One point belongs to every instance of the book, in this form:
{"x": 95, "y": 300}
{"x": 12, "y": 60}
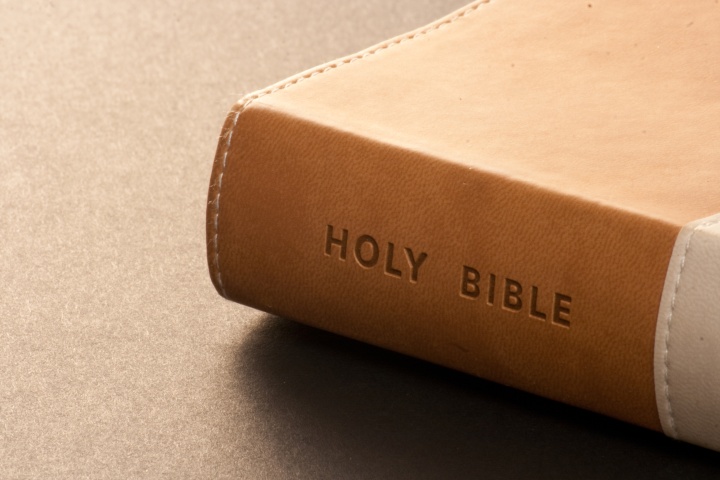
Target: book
{"x": 524, "y": 191}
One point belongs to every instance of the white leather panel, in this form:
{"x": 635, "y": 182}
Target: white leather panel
{"x": 687, "y": 340}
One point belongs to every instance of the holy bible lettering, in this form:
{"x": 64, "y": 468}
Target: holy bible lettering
{"x": 501, "y": 292}
{"x": 367, "y": 253}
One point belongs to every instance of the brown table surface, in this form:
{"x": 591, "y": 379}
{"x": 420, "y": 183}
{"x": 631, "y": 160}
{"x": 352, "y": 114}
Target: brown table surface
{"x": 117, "y": 357}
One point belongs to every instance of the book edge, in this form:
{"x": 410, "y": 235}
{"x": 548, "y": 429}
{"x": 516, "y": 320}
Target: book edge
{"x": 226, "y": 136}
{"x": 687, "y": 384}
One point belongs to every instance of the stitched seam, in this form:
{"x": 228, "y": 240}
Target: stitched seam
{"x": 673, "y": 426}
{"x": 247, "y": 101}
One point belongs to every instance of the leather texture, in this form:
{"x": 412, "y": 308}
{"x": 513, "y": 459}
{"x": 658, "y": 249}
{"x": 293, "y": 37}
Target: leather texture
{"x": 687, "y": 343}
{"x": 560, "y": 146}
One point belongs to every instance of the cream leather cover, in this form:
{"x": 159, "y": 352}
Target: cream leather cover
{"x": 499, "y": 192}
{"x": 687, "y": 341}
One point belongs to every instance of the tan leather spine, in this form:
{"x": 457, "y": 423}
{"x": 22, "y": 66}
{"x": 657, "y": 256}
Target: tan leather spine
{"x": 544, "y": 148}
{"x": 281, "y": 191}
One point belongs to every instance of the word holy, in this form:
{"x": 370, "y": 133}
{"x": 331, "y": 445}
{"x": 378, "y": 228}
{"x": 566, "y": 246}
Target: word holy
{"x": 368, "y": 253}
{"x": 511, "y": 297}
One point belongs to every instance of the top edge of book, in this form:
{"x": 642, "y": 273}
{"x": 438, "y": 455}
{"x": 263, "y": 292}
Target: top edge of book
{"x": 613, "y": 101}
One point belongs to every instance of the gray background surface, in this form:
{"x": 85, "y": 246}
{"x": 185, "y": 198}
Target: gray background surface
{"x": 117, "y": 357}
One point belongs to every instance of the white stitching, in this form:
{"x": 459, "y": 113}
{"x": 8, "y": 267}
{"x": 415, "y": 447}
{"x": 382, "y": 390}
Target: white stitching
{"x": 270, "y": 90}
{"x": 673, "y": 426}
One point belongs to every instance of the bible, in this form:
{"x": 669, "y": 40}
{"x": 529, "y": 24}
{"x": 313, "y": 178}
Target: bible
{"x": 524, "y": 191}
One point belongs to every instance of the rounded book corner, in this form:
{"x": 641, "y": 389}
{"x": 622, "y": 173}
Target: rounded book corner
{"x": 687, "y": 342}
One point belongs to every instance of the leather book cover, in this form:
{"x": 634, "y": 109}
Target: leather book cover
{"x": 525, "y": 191}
